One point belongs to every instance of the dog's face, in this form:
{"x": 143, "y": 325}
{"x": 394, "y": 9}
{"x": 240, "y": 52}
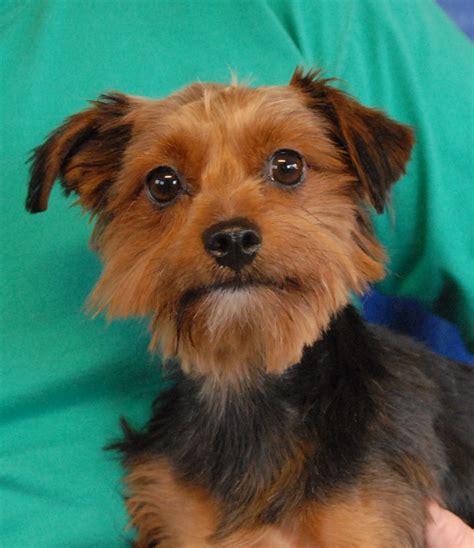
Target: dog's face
{"x": 233, "y": 217}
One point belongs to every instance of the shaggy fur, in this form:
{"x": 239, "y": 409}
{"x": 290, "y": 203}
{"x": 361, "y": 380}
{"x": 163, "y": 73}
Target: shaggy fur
{"x": 290, "y": 422}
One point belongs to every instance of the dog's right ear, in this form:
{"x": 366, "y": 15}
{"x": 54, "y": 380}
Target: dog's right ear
{"x": 377, "y": 148}
{"x": 84, "y": 154}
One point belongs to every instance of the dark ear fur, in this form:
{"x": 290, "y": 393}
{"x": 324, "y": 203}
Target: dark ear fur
{"x": 84, "y": 154}
{"x": 378, "y": 148}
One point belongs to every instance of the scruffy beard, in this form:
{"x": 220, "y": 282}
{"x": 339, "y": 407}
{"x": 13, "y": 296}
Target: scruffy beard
{"x": 230, "y": 335}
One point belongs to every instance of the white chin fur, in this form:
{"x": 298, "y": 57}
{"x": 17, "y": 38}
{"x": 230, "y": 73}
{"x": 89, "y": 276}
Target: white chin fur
{"x": 233, "y": 307}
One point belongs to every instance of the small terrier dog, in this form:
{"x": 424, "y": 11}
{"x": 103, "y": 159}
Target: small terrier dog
{"x": 237, "y": 220}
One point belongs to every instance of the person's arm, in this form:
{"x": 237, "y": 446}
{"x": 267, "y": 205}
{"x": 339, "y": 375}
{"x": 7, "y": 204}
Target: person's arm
{"x": 445, "y": 530}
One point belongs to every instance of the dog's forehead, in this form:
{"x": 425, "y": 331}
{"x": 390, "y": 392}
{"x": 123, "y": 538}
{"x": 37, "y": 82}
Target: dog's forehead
{"x": 235, "y": 107}
{"x": 230, "y": 108}
{"x": 205, "y": 117}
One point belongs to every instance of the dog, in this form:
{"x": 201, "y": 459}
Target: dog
{"x": 237, "y": 220}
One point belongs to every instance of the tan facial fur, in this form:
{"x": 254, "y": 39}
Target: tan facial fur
{"x": 317, "y": 245}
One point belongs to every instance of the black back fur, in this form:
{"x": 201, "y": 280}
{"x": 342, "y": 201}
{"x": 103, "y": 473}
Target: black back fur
{"x": 359, "y": 393}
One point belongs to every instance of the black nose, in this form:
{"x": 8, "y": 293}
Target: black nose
{"x": 233, "y": 243}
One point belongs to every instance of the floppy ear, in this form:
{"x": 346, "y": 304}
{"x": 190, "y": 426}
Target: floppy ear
{"x": 377, "y": 147}
{"x": 85, "y": 154}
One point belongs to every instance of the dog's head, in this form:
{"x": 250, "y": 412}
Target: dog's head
{"x": 234, "y": 217}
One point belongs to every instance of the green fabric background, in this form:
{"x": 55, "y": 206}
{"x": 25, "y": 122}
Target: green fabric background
{"x": 65, "y": 378}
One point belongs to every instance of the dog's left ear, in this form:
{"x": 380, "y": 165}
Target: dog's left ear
{"x": 378, "y": 148}
{"x": 84, "y": 154}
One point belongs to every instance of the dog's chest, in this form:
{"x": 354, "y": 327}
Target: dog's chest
{"x": 179, "y": 515}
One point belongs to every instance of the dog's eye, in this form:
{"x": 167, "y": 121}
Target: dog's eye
{"x": 286, "y": 167}
{"x": 163, "y": 185}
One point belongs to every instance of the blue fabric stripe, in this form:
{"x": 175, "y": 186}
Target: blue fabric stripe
{"x": 409, "y": 317}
